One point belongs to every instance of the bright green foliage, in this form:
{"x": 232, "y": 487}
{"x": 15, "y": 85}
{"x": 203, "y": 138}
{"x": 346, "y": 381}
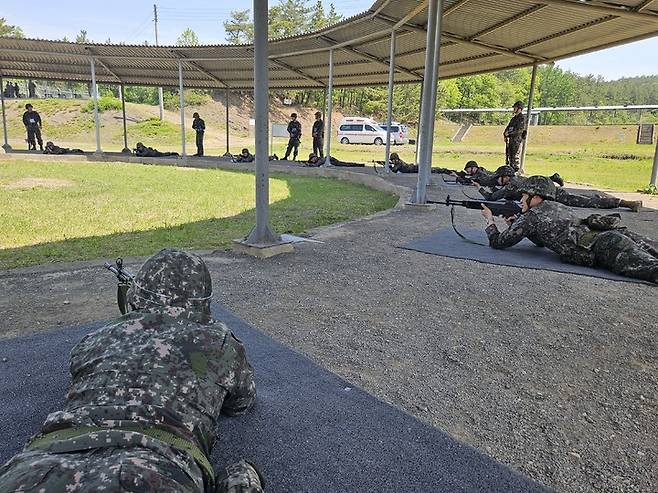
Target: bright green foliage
{"x": 193, "y": 97}
{"x": 141, "y": 94}
{"x": 104, "y": 103}
{"x": 239, "y": 29}
{"x": 73, "y": 211}
{"x": 7, "y": 31}
{"x": 187, "y": 38}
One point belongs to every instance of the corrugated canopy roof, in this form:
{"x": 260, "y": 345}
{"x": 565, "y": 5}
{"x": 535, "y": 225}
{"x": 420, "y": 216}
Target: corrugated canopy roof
{"x": 477, "y": 36}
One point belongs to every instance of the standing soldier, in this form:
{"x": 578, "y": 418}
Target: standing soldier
{"x": 200, "y": 126}
{"x": 318, "y": 135}
{"x": 514, "y": 135}
{"x": 32, "y": 122}
{"x": 147, "y": 391}
{"x": 31, "y": 89}
{"x": 295, "y": 132}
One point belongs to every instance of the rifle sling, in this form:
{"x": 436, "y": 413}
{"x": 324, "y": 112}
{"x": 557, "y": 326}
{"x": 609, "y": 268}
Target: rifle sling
{"x": 452, "y": 221}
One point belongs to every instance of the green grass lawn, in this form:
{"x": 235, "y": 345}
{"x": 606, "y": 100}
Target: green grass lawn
{"x": 53, "y": 212}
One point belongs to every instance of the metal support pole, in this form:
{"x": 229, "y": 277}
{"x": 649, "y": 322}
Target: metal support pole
{"x": 429, "y": 91}
{"x": 330, "y": 106}
{"x": 420, "y": 112}
{"x": 94, "y": 94}
{"x": 531, "y": 98}
{"x": 435, "y": 80}
{"x": 227, "y": 123}
{"x": 182, "y": 107}
{"x": 6, "y": 145}
{"x": 389, "y": 114}
{"x": 654, "y": 170}
{"x": 155, "y": 23}
{"x": 125, "y": 149}
{"x": 324, "y": 104}
{"x": 261, "y": 233}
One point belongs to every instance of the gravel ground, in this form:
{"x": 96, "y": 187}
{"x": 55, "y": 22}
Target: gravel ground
{"x": 553, "y": 374}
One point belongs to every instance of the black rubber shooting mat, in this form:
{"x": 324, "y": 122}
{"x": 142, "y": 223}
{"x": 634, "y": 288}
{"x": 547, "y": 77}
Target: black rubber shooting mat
{"x": 446, "y": 243}
{"x": 310, "y": 431}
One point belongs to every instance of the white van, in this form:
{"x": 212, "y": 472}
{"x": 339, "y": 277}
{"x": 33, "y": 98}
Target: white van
{"x": 357, "y": 130}
{"x": 399, "y": 132}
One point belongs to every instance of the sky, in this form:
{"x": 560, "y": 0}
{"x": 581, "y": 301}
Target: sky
{"x": 132, "y": 22}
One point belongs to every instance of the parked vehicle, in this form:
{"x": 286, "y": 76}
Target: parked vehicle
{"x": 399, "y": 133}
{"x": 358, "y": 130}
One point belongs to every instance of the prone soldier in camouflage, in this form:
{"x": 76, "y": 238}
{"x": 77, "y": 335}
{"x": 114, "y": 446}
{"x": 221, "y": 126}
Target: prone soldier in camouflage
{"x": 146, "y": 394}
{"x": 511, "y": 184}
{"x": 513, "y": 136}
{"x": 479, "y": 175}
{"x": 596, "y": 241}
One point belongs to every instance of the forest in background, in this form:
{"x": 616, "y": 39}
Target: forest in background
{"x": 555, "y": 86}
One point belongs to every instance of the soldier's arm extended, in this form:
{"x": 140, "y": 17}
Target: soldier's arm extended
{"x": 518, "y": 230}
{"x": 242, "y": 393}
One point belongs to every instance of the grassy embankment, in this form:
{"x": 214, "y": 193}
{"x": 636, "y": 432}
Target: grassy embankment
{"x": 602, "y": 156}
{"x": 53, "y": 212}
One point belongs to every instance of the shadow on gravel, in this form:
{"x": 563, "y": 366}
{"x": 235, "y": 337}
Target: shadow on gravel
{"x": 310, "y": 430}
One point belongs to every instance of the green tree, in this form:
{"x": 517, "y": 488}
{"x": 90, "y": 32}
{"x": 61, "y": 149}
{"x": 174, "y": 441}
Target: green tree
{"x": 187, "y": 38}
{"x": 288, "y": 18}
{"x": 239, "y": 28}
{"x": 82, "y": 37}
{"x": 7, "y": 31}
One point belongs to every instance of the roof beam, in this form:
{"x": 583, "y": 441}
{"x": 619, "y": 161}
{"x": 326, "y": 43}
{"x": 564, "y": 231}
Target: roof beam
{"x": 198, "y": 67}
{"x": 100, "y": 62}
{"x": 587, "y": 25}
{"x": 373, "y": 58}
{"x": 454, "y": 6}
{"x": 643, "y": 5}
{"x": 506, "y": 22}
{"x": 297, "y": 71}
{"x": 608, "y": 9}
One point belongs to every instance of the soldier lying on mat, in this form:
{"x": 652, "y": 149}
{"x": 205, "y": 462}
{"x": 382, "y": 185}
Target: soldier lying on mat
{"x": 314, "y": 162}
{"x": 53, "y": 149}
{"x": 510, "y": 185}
{"x": 142, "y": 151}
{"x": 146, "y": 393}
{"x": 596, "y": 241}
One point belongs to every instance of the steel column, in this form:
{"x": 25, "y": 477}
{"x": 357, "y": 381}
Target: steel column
{"x": 94, "y": 94}
{"x": 654, "y": 170}
{"x": 531, "y": 98}
{"x": 330, "y": 107}
{"x": 429, "y": 91}
{"x": 436, "y": 62}
{"x": 182, "y": 108}
{"x": 420, "y": 112}
{"x": 125, "y": 128}
{"x": 389, "y": 114}
{"x": 227, "y": 123}
{"x": 261, "y": 233}
{"x": 6, "y": 145}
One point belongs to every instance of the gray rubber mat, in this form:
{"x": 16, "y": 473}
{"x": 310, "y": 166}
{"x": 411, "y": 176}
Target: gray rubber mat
{"x": 310, "y": 431}
{"x": 526, "y": 254}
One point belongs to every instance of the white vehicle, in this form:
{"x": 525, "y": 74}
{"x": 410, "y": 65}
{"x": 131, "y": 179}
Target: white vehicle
{"x": 399, "y": 133}
{"x": 357, "y": 130}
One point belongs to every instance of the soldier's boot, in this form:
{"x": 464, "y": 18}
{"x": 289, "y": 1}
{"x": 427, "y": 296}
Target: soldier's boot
{"x": 556, "y": 178}
{"x": 241, "y": 477}
{"x": 634, "y": 205}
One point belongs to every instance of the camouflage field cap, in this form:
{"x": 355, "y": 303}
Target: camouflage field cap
{"x": 172, "y": 277}
{"x": 539, "y": 185}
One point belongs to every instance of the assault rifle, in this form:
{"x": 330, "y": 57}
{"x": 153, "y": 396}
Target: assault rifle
{"x": 507, "y": 208}
{"x": 125, "y": 279}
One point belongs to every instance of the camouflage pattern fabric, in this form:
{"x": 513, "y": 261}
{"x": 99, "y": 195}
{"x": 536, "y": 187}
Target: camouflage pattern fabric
{"x": 166, "y": 369}
{"x": 511, "y": 192}
{"x": 555, "y": 227}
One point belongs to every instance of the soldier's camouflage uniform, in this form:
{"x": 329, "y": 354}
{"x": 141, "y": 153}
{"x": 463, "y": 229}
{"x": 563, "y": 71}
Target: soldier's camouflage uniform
{"x": 514, "y": 134}
{"x": 511, "y": 192}
{"x": 596, "y": 241}
{"x": 147, "y": 390}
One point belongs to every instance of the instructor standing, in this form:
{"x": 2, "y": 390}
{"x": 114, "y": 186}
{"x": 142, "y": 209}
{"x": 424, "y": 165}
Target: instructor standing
{"x": 32, "y": 122}
{"x": 318, "y": 135}
{"x": 200, "y": 127}
{"x": 513, "y": 135}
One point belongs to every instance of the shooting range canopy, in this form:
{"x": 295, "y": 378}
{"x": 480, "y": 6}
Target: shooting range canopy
{"x": 477, "y": 36}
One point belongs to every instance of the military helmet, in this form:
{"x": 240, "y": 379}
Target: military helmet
{"x": 541, "y": 186}
{"x": 471, "y": 164}
{"x": 518, "y": 104}
{"x": 293, "y": 115}
{"x": 174, "y": 278}
{"x": 504, "y": 171}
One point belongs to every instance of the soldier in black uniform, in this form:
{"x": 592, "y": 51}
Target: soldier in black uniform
{"x": 200, "y": 126}
{"x": 318, "y": 135}
{"x": 32, "y": 122}
{"x": 295, "y": 132}
{"x": 513, "y": 135}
